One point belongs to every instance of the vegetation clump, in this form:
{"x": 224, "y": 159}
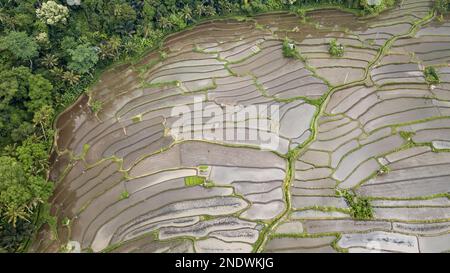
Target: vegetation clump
{"x": 82, "y": 58}
{"x": 442, "y": 6}
{"x": 208, "y": 184}
{"x": 21, "y": 46}
{"x": 384, "y": 170}
{"x": 289, "y": 50}
{"x": 431, "y": 75}
{"x": 336, "y": 49}
{"x": 96, "y": 106}
{"x": 22, "y": 186}
{"x": 360, "y": 207}
{"x": 407, "y": 135}
{"x": 124, "y": 195}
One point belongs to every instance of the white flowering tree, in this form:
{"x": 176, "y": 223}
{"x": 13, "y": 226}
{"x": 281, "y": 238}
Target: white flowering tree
{"x": 52, "y": 13}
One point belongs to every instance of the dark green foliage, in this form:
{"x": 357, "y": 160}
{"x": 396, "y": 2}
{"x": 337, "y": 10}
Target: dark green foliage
{"x": 11, "y": 238}
{"x": 21, "y": 95}
{"x": 431, "y": 75}
{"x": 360, "y": 207}
{"x": 20, "y": 45}
{"x": 20, "y": 190}
{"x": 82, "y": 58}
{"x": 442, "y": 6}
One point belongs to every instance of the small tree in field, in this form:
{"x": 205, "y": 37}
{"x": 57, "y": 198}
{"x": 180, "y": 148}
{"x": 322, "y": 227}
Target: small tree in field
{"x": 289, "y": 50}
{"x": 431, "y": 75}
{"x": 336, "y": 49}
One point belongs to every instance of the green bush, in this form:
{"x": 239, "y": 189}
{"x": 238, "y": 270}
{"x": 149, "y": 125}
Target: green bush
{"x": 289, "y": 49}
{"x": 360, "y": 207}
{"x": 406, "y": 135}
{"x": 384, "y": 170}
{"x": 124, "y": 195}
{"x": 336, "y": 49}
{"x": 442, "y": 6}
{"x": 431, "y": 75}
{"x": 96, "y": 106}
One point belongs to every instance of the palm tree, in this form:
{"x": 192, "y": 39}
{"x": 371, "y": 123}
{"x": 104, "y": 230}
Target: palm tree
{"x": 199, "y": 10}
{"x": 13, "y": 213}
{"x": 49, "y": 61}
{"x": 115, "y": 43}
{"x": 105, "y": 51}
{"x": 70, "y": 77}
{"x": 186, "y": 13}
{"x": 210, "y": 11}
{"x": 226, "y": 7}
{"x": 57, "y": 72}
{"x": 165, "y": 23}
{"x": 43, "y": 118}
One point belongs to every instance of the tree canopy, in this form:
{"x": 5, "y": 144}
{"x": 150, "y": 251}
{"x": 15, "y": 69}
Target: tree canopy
{"x": 83, "y": 58}
{"x": 20, "y": 191}
{"x": 20, "y": 45}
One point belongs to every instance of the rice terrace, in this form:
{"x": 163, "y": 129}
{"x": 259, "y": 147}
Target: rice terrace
{"x": 316, "y": 131}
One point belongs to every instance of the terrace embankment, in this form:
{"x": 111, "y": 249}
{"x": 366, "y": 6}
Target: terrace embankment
{"x": 368, "y": 122}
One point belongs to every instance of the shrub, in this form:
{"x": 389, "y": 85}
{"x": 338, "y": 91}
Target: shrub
{"x": 301, "y": 12}
{"x": 96, "y": 106}
{"x": 124, "y": 195}
{"x": 289, "y": 50}
{"x": 431, "y": 75}
{"x": 406, "y": 135}
{"x": 336, "y": 49}
{"x": 442, "y": 6}
{"x": 360, "y": 207}
{"x": 384, "y": 170}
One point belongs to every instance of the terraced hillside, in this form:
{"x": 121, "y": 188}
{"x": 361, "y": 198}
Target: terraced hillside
{"x": 364, "y": 126}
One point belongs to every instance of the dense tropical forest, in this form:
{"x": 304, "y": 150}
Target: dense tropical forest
{"x": 52, "y": 50}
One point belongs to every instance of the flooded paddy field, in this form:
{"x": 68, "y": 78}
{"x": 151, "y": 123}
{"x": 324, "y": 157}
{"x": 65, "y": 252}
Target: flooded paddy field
{"x": 128, "y": 180}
